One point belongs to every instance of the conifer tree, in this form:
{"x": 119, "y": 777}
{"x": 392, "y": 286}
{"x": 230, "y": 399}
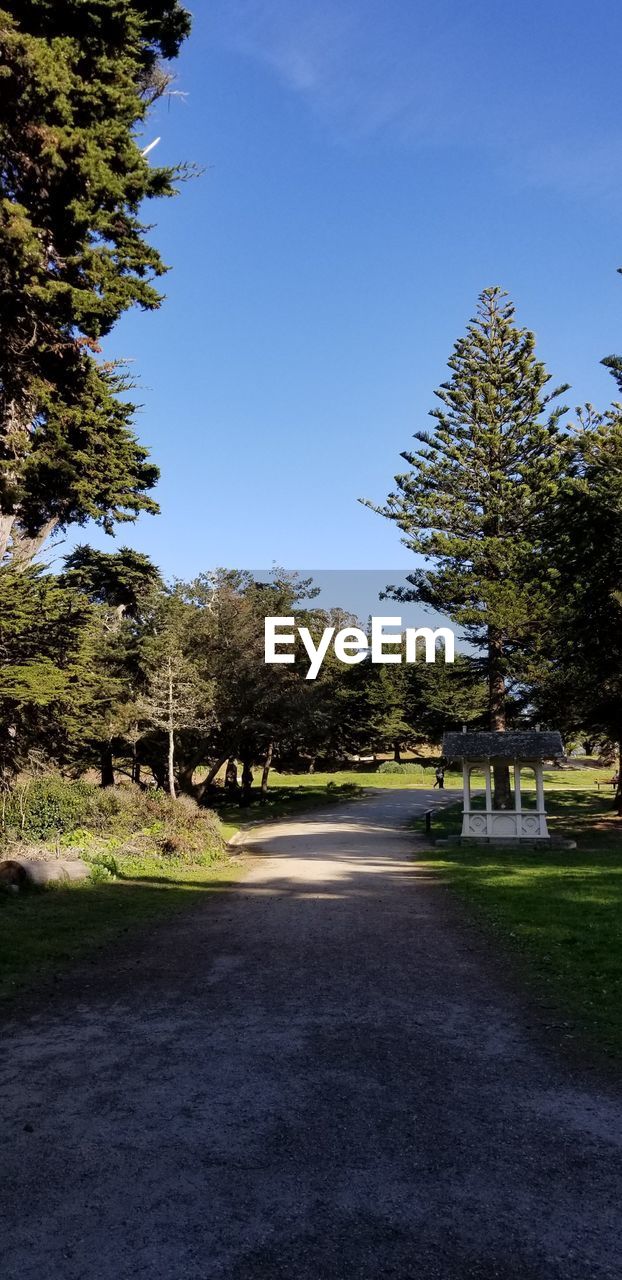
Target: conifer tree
{"x": 124, "y": 587}
{"x": 122, "y": 580}
{"x": 584, "y": 676}
{"x": 76, "y": 83}
{"x": 42, "y": 629}
{"x": 475, "y": 496}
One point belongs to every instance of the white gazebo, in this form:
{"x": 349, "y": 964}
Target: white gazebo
{"x": 520, "y": 751}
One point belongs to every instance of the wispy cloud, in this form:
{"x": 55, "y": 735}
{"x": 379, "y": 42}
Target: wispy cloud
{"x": 477, "y": 75}
{"x": 349, "y": 59}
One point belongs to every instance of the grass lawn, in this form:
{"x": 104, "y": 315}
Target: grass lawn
{"x": 43, "y": 932}
{"x": 420, "y": 777}
{"x": 559, "y": 910}
{"x": 423, "y": 776}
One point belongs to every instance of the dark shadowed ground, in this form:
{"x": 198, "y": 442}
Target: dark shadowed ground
{"x": 318, "y": 1076}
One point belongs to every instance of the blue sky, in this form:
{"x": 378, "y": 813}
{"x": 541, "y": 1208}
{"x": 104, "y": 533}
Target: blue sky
{"x": 369, "y": 167}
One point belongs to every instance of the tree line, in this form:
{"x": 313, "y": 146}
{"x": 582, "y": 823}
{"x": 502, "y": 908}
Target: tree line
{"x": 511, "y": 504}
{"x": 105, "y": 666}
{"x": 516, "y": 508}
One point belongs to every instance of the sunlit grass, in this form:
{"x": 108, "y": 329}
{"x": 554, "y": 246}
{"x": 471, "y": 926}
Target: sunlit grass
{"x": 44, "y": 932}
{"x": 424, "y": 776}
{"x": 559, "y": 910}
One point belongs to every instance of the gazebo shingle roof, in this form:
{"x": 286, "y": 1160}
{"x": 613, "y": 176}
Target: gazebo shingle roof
{"x": 507, "y": 745}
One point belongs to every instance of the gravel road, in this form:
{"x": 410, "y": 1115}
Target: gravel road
{"x": 320, "y": 1076}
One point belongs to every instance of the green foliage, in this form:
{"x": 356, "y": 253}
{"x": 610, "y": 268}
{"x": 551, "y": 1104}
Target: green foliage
{"x": 77, "y": 82}
{"x": 558, "y": 912}
{"x": 43, "y": 629}
{"x": 582, "y": 686}
{"x": 104, "y": 867}
{"x": 477, "y": 492}
{"x": 122, "y": 580}
{"x": 51, "y": 807}
{"x": 395, "y": 766}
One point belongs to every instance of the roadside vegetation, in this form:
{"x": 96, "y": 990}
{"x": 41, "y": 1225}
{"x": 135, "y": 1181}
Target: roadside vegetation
{"x": 147, "y": 856}
{"x": 557, "y": 912}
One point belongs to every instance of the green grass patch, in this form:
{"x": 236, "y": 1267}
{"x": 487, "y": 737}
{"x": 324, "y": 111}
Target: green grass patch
{"x": 287, "y": 801}
{"x": 417, "y": 776}
{"x": 420, "y": 775}
{"x": 559, "y": 910}
{"x": 43, "y": 932}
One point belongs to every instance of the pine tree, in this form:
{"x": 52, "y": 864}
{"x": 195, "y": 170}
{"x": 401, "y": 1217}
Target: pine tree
{"x": 122, "y": 580}
{"x": 584, "y": 678}
{"x": 474, "y": 499}
{"x": 42, "y": 631}
{"x": 123, "y": 586}
{"x": 76, "y": 84}
{"x": 445, "y": 695}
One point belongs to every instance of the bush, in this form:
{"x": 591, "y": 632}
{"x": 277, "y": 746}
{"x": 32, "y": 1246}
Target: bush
{"x": 342, "y": 788}
{"x": 394, "y": 766}
{"x": 75, "y": 812}
{"x": 47, "y": 806}
{"x": 104, "y": 865}
{"x": 104, "y": 868}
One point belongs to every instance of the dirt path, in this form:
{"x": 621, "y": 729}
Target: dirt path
{"x": 315, "y": 1078}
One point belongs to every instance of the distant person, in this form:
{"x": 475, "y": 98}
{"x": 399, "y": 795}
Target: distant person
{"x": 440, "y": 777}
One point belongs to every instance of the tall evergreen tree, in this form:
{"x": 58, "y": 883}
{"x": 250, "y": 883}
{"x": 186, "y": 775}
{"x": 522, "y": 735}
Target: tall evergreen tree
{"x": 76, "y": 82}
{"x": 584, "y": 676}
{"x": 122, "y": 580}
{"x": 474, "y": 499}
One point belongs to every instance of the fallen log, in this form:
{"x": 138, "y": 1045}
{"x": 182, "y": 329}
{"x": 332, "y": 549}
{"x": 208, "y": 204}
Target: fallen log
{"x": 23, "y": 873}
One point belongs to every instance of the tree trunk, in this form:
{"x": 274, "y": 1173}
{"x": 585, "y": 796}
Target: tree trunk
{"x": 171, "y": 734}
{"x": 618, "y": 799}
{"x": 231, "y": 777}
{"x": 265, "y": 773}
{"x": 107, "y": 767}
{"x": 247, "y": 783}
{"x": 135, "y": 765}
{"x": 199, "y": 790}
{"x": 6, "y": 524}
{"x": 171, "y": 764}
{"x": 185, "y": 775}
{"x": 25, "y": 548}
{"x": 497, "y": 693}
{"x": 397, "y": 752}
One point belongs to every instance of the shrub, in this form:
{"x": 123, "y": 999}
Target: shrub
{"x": 395, "y": 766}
{"x": 47, "y": 806}
{"x": 104, "y": 866}
{"x": 75, "y": 812}
{"x": 342, "y": 788}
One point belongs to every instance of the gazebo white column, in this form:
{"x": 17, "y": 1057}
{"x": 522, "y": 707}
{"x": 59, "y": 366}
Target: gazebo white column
{"x": 488, "y": 786}
{"x": 539, "y": 772}
{"x": 517, "y": 795}
{"x": 466, "y": 787}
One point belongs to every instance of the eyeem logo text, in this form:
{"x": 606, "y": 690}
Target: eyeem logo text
{"x": 387, "y": 643}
